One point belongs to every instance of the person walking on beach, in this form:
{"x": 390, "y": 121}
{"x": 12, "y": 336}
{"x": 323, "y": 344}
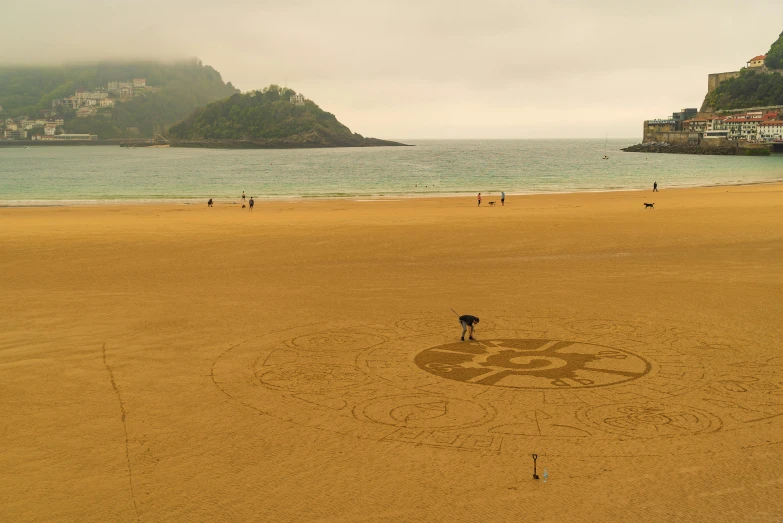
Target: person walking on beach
{"x": 655, "y": 186}
{"x": 251, "y": 203}
{"x": 502, "y": 198}
{"x": 479, "y": 200}
{"x": 209, "y": 203}
{"x": 466, "y": 320}
{"x": 243, "y": 196}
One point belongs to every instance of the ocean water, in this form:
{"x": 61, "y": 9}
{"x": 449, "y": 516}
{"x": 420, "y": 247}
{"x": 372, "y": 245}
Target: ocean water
{"x": 104, "y": 174}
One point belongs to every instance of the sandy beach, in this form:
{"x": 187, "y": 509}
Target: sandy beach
{"x": 301, "y": 362}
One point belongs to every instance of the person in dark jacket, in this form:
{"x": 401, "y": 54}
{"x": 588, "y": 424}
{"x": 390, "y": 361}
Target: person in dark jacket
{"x": 466, "y": 320}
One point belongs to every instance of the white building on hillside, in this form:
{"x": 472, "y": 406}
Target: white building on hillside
{"x": 756, "y": 61}
{"x": 771, "y": 131}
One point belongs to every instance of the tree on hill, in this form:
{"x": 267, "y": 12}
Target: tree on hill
{"x": 265, "y": 115}
{"x": 774, "y": 58}
{"x": 750, "y": 89}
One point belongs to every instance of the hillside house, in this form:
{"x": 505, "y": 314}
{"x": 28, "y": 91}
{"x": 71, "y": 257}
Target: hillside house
{"x": 756, "y": 61}
{"x": 139, "y": 83}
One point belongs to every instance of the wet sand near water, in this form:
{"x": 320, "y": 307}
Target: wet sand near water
{"x": 300, "y": 363}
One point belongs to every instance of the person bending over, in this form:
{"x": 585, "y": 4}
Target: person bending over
{"x": 468, "y": 321}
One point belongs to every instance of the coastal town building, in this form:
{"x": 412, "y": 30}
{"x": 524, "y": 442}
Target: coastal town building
{"x": 698, "y": 125}
{"x": 71, "y": 137}
{"x": 771, "y": 131}
{"x": 139, "y": 83}
{"x": 684, "y": 114}
{"x": 756, "y": 61}
{"x": 15, "y": 134}
{"x": 297, "y": 99}
{"x": 760, "y": 125}
{"x": 50, "y": 130}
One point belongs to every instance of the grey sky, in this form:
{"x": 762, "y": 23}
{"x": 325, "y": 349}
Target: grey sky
{"x": 429, "y": 69}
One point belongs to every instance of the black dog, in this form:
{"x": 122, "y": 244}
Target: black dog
{"x": 650, "y": 205}
{"x": 243, "y": 205}
{"x": 491, "y": 204}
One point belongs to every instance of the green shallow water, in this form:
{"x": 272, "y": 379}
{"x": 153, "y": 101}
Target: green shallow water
{"x": 41, "y": 175}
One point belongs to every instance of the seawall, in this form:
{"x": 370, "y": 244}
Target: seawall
{"x": 710, "y": 147}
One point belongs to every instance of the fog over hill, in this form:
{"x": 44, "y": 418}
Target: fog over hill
{"x": 568, "y": 68}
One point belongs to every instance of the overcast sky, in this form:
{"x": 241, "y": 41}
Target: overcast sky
{"x": 428, "y": 69}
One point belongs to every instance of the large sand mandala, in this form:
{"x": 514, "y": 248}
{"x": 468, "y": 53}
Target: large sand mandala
{"x": 582, "y": 387}
{"x": 533, "y": 364}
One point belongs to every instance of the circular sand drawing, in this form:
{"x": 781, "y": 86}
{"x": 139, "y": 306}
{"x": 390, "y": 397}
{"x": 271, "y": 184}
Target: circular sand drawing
{"x": 310, "y": 378}
{"x": 651, "y": 420}
{"x": 533, "y": 363}
{"x": 568, "y": 386}
{"x": 425, "y": 411}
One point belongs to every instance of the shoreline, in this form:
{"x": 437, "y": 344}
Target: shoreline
{"x": 227, "y": 200}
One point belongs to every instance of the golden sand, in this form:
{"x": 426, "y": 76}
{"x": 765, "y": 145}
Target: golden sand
{"x": 181, "y": 363}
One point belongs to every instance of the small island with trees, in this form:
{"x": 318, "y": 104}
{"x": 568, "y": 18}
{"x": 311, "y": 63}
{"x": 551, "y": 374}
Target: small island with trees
{"x": 274, "y": 117}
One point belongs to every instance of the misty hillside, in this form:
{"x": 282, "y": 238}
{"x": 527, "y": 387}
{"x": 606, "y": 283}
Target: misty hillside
{"x": 752, "y": 88}
{"x": 171, "y": 92}
{"x": 272, "y": 117}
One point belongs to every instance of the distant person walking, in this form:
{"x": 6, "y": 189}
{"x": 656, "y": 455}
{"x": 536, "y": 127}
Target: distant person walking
{"x": 479, "y": 200}
{"x": 251, "y": 203}
{"x": 466, "y": 320}
{"x": 243, "y": 196}
{"x": 209, "y": 203}
{"x": 502, "y": 198}
{"x": 655, "y": 186}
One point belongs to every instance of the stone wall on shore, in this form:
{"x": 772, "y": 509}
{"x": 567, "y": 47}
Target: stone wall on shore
{"x": 671, "y": 137}
{"x": 713, "y": 147}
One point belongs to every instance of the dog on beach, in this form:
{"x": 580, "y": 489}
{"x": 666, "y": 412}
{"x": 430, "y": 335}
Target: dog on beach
{"x": 491, "y": 204}
{"x": 649, "y": 205}
{"x": 243, "y": 205}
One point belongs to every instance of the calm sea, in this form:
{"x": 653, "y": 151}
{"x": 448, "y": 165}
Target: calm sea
{"x": 56, "y": 175}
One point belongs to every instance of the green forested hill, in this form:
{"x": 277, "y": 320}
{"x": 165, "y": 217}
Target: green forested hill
{"x": 753, "y": 88}
{"x": 774, "y": 58}
{"x": 269, "y": 118}
{"x": 174, "y": 90}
